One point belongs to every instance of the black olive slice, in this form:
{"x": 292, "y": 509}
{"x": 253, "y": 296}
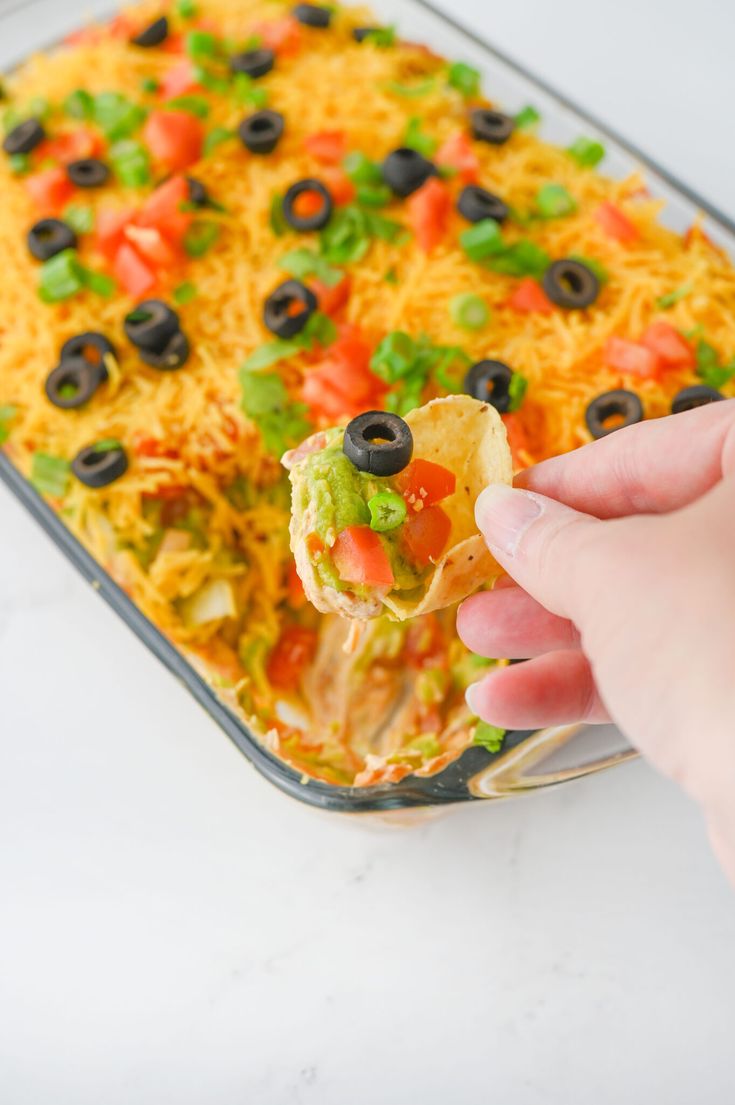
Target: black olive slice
{"x": 698, "y": 395}
{"x": 153, "y": 35}
{"x": 361, "y": 33}
{"x": 88, "y": 173}
{"x": 621, "y": 407}
{"x": 489, "y": 381}
{"x": 571, "y": 284}
{"x": 91, "y": 347}
{"x": 312, "y": 15}
{"x": 173, "y": 356}
{"x": 151, "y": 325}
{"x": 198, "y": 194}
{"x": 476, "y": 204}
{"x": 261, "y": 132}
{"x": 288, "y": 309}
{"x": 255, "y": 63}
{"x": 405, "y": 170}
{"x": 491, "y": 126}
{"x": 318, "y": 218}
{"x": 25, "y": 137}
{"x": 100, "y": 465}
{"x": 73, "y": 383}
{"x": 49, "y": 237}
{"x": 378, "y": 442}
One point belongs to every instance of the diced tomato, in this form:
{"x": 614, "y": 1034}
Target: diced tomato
{"x": 424, "y": 483}
{"x": 152, "y": 246}
{"x": 425, "y": 534}
{"x": 518, "y": 441}
{"x": 281, "y": 35}
{"x": 75, "y": 145}
{"x": 110, "y": 232}
{"x": 332, "y": 300}
{"x": 294, "y": 588}
{"x": 457, "y": 153}
{"x": 529, "y": 298}
{"x": 132, "y": 272}
{"x": 179, "y": 80}
{"x": 428, "y": 213}
{"x": 343, "y": 383}
{"x": 308, "y": 203}
{"x": 153, "y": 447}
{"x": 162, "y": 209}
{"x": 174, "y": 138}
{"x": 615, "y": 224}
{"x": 120, "y": 27}
{"x": 671, "y": 346}
{"x": 314, "y": 545}
{"x": 327, "y": 146}
{"x": 631, "y": 358}
{"x": 425, "y": 642}
{"x": 50, "y": 190}
{"x": 174, "y": 44}
{"x": 293, "y": 653}
{"x": 359, "y": 557}
{"x": 341, "y": 188}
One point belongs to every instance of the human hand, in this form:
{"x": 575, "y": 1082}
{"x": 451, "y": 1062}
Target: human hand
{"x": 623, "y": 559}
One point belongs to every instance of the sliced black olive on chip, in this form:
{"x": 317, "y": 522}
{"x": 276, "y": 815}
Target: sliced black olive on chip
{"x": 153, "y": 35}
{"x": 91, "y": 347}
{"x": 261, "y": 132}
{"x": 49, "y": 237}
{"x": 101, "y": 464}
{"x": 489, "y": 381}
{"x": 174, "y": 355}
{"x": 613, "y": 411}
{"x": 491, "y": 126}
{"x": 73, "y": 383}
{"x": 288, "y": 309}
{"x": 88, "y": 173}
{"x": 405, "y": 170}
{"x": 312, "y": 15}
{"x": 476, "y": 203}
{"x": 254, "y": 63}
{"x": 25, "y": 137}
{"x": 698, "y": 395}
{"x": 151, "y": 325}
{"x": 314, "y": 219}
{"x": 571, "y": 284}
{"x": 378, "y": 442}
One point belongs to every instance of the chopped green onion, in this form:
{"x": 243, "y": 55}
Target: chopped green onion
{"x": 50, "y": 475}
{"x": 270, "y": 353}
{"x": 186, "y": 9}
{"x": 482, "y": 240}
{"x": 395, "y": 357}
{"x": 553, "y": 201}
{"x": 709, "y": 369}
{"x": 7, "y": 414}
{"x": 593, "y": 265}
{"x": 131, "y": 163}
{"x": 201, "y": 45}
{"x": 195, "y": 105}
{"x": 319, "y": 328}
{"x": 469, "y": 311}
{"x": 265, "y": 400}
{"x": 303, "y": 263}
{"x": 99, "y": 283}
{"x": 382, "y": 37}
{"x": 19, "y": 163}
{"x": 185, "y": 293}
{"x": 527, "y": 118}
{"x": 361, "y": 170}
{"x": 672, "y": 298}
{"x": 411, "y": 91}
{"x": 387, "y": 511}
{"x": 107, "y": 446}
{"x": 200, "y": 237}
{"x": 517, "y": 389}
{"x": 391, "y": 276}
{"x": 61, "y": 277}
{"x": 116, "y": 116}
{"x": 248, "y": 91}
{"x": 79, "y": 218}
{"x": 213, "y": 81}
{"x": 39, "y": 107}
{"x": 79, "y": 104}
{"x": 346, "y": 237}
{"x": 215, "y": 138}
{"x": 149, "y": 85}
{"x": 489, "y": 736}
{"x": 586, "y": 152}
{"x": 374, "y": 195}
{"x": 464, "y": 78}
{"x": 523, "y": 258}
{"x": 276, "y": 218}
{"x": 416, "y": 139}
{"x": 388, "y": 230}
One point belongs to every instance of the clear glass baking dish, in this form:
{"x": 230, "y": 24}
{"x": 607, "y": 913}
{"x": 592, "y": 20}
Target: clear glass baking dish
{"x": 529, "y": 760}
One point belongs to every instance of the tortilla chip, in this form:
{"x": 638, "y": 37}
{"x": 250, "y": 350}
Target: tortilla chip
{"x": 467, "y": 437}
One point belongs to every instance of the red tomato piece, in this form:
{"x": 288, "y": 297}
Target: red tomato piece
{"x": 671, "y": 346}
{"x": 341, "y": 188}
{"x": 294, "y": 588}
{"x": 332, "y": 300}
{"x": 152, "y": 245}
{"x": 281, "y": 35}
{"x": 631, "y": 358}
{"x": 110, "y": 232}
{"x": 425, "y": 534}
{"x": 343, "y": 383}
{"x": 457, "y": 153}
{"x": 179, "y": 80}
{"x": 175, "y": 138}
{"x": 359, "y": 557}
{"x": 424, "y": 483}
{"x": 73, "y": 146}
{"x": 50, "y": 190}
{"x": 153, "y": 447}
{"x": 132, "y": 272}
{"x": 162, "y": 209}
{"x": 529, "y": 298}
{"x": 518, "y": 441}
{"x": 615, "y": 224}
{"x": 174, "y": 44}
{"x": 428, "y": 213}
{"x": 327, "y": 146}
{"x": 294, "y": 652}
{"x": 426, "y": 645}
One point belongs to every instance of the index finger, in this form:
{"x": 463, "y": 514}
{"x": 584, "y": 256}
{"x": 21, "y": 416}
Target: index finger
{"x": 650, "y": 468}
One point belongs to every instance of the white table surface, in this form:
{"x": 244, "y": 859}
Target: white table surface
{"x": 173, "y": 930}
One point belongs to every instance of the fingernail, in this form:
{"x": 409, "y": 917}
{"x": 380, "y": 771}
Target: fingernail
{"x": 503, "y": 515}
{"x": 471, "y": 697}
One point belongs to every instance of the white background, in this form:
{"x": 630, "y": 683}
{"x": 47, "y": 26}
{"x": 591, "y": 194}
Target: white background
{"x": 173, "y": 930}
